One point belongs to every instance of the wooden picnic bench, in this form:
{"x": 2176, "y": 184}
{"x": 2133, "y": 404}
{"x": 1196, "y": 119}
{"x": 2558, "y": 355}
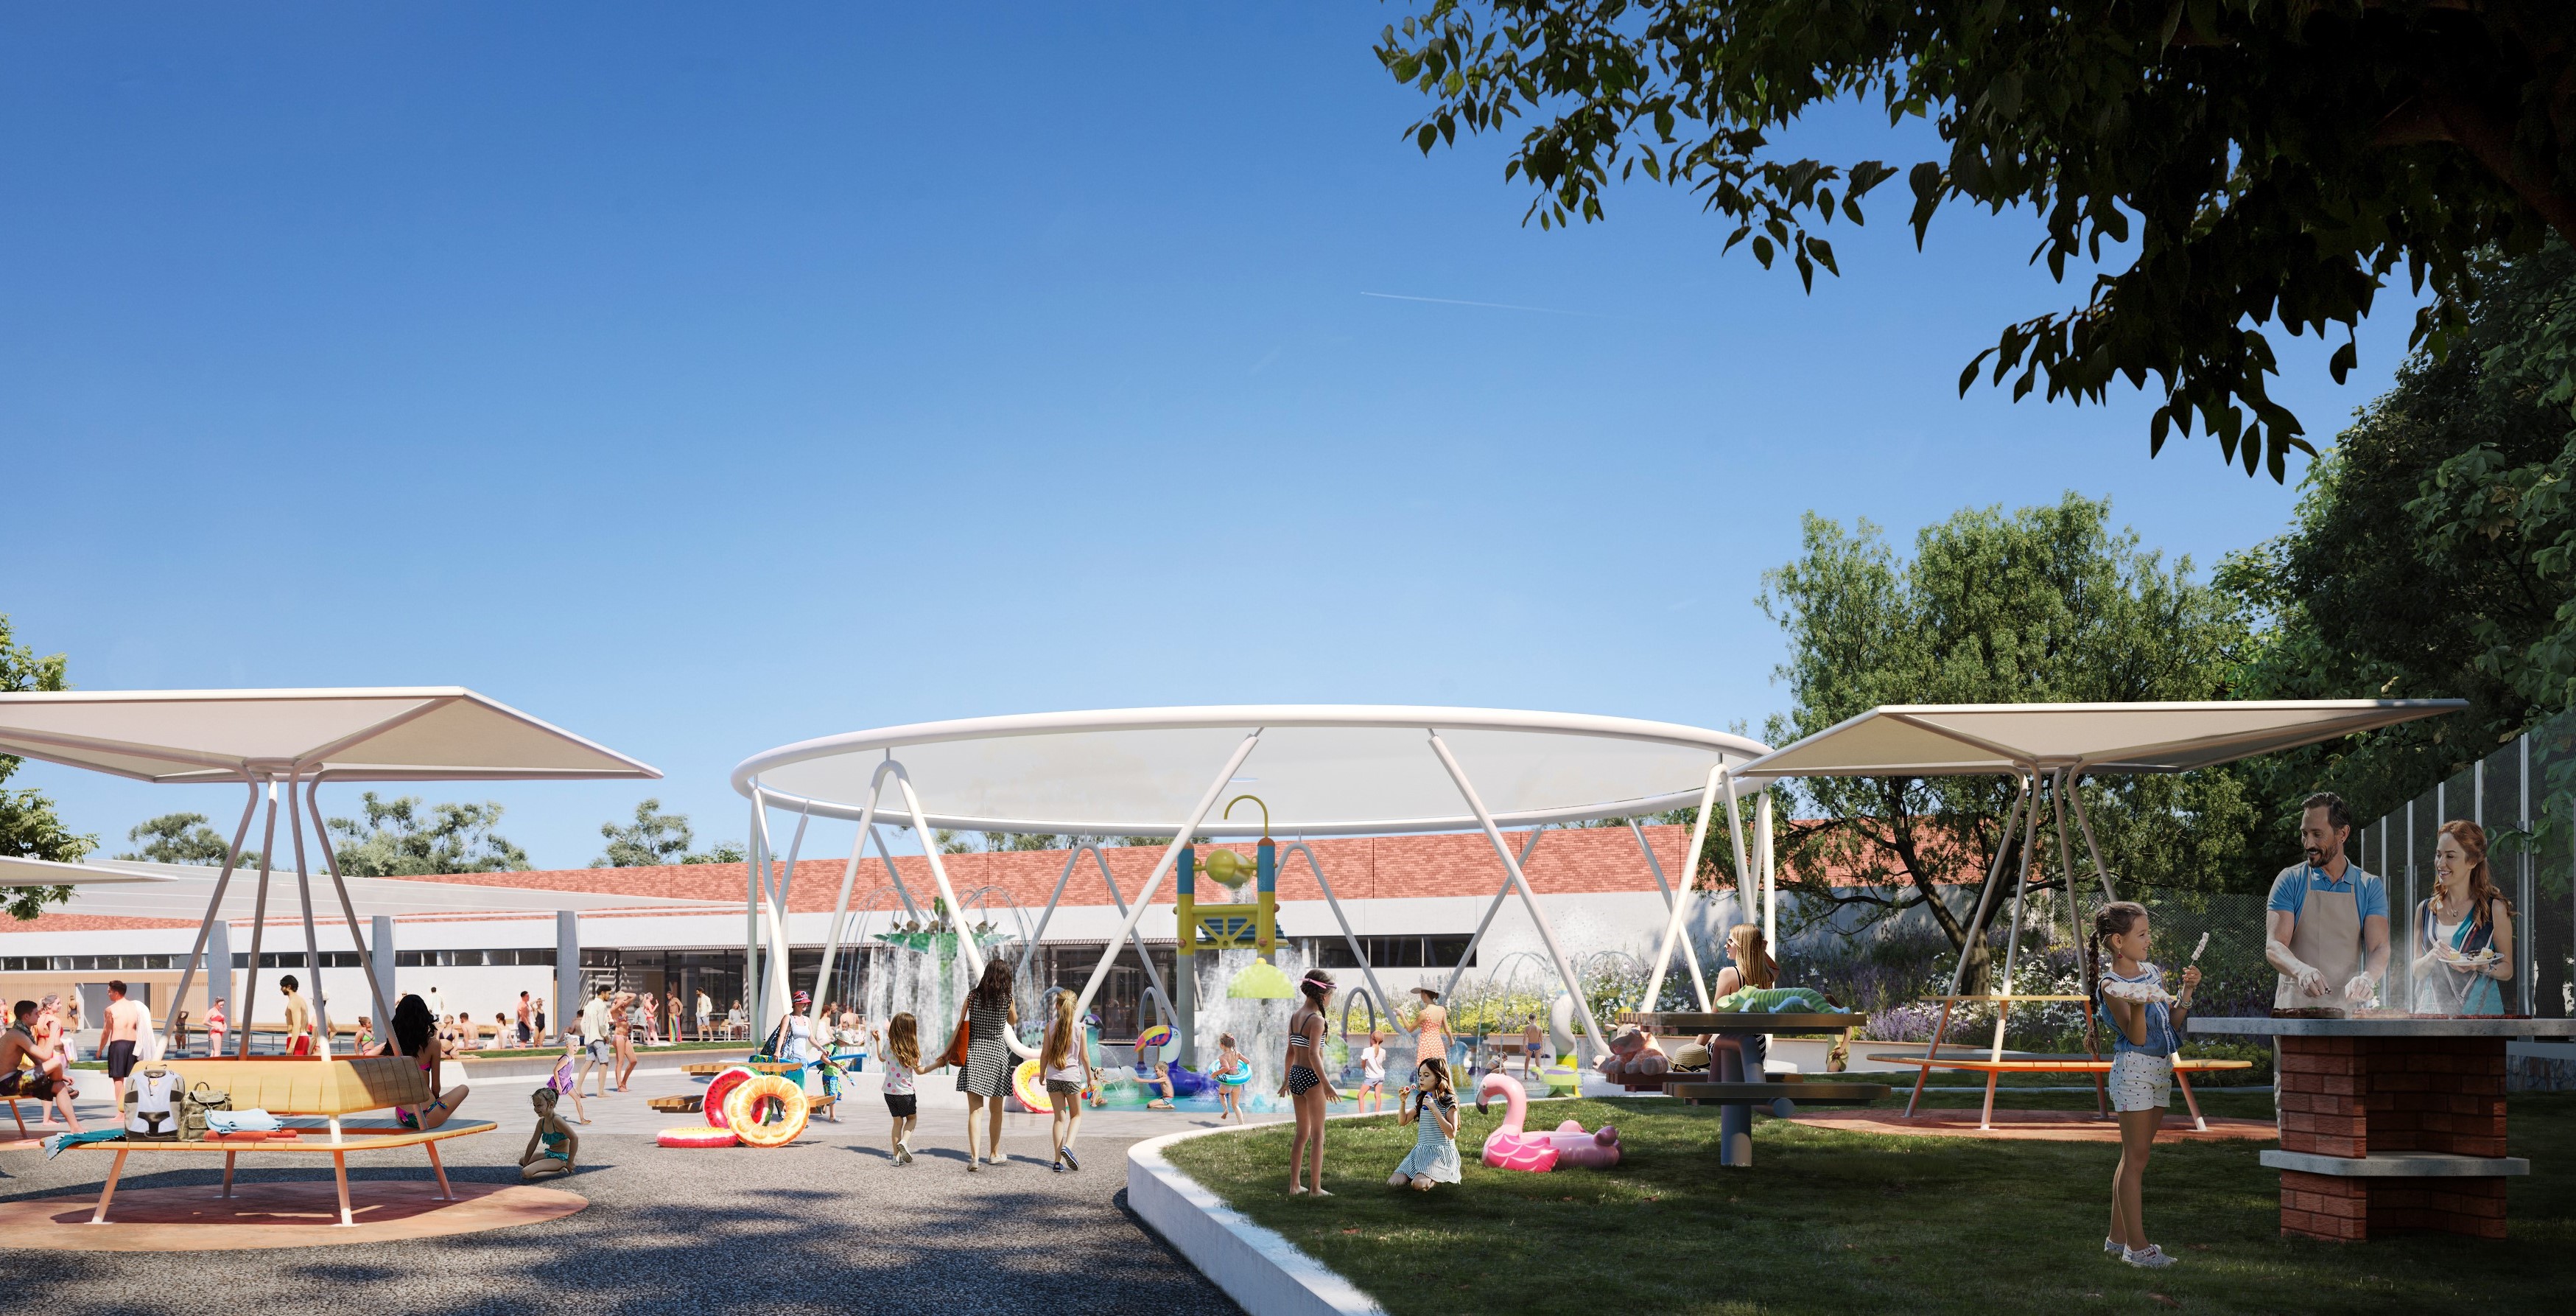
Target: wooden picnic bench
{"x": 349, "y": 1136}
{"x": 1994, "y": 1061}
{"x": 312, "y": 1096}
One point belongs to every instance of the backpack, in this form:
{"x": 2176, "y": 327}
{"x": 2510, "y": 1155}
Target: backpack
{"x": 154, "y": 1116}
{"x": 194, "y": 1106}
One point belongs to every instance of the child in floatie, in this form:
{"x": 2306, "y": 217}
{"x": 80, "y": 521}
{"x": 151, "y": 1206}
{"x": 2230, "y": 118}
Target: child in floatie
{"x": 1230, "y": 1065}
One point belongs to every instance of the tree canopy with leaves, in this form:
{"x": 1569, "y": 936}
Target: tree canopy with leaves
{"x": 182, "y": 838}
{"x": 28, "y": 827}
{"x": 2418, "y": 564}
{"x": 655, "y": 838}
{"x": 2046, "y": 604}
{"x": 404, "y": 838}
{"x": 2258, "y": 161}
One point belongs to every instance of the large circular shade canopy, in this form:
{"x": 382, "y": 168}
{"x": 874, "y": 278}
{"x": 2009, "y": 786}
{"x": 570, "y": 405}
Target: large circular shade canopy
{"x": 1323, "y": 769}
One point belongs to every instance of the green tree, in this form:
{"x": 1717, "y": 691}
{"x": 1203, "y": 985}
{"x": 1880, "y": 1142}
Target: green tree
{"x": 183, "y": 838}
{"x": 402, "y": 838}
{"x": 28, "y": 827}
{"x": 2417, "y": 565}
{"x": 2046, "y": 604}
{"x": 2508, "y": 491}
{"x": 656, "y": 837}
{"x": 2254, "y": 160}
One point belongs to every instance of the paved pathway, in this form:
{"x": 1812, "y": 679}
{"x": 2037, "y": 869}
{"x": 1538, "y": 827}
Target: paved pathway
{"x": 829, "y": 1223}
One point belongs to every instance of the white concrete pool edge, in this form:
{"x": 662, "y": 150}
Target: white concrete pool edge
{"x": 1256, "y": 1266}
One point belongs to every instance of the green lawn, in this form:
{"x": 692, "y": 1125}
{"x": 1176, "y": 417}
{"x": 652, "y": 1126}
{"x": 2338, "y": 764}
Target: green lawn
{"x": 1838, "y": 1223}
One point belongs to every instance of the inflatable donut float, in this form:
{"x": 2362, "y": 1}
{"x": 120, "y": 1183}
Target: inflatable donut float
{"x": 749, "y": 1106}
{"x": 719, "y": 1088}
{"x": 1235, "y": 1077}
{"x": 1030, "y": 1089}
{"x": 697, "y": 1135}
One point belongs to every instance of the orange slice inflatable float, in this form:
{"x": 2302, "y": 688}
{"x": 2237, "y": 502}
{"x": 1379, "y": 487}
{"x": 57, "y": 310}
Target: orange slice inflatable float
{"x": 750, "y": 1106}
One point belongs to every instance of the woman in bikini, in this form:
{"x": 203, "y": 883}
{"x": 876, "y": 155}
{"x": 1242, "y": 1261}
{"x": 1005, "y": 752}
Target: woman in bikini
{"x": 415, "y": 1032}
{"x": 1309, "y": 1084}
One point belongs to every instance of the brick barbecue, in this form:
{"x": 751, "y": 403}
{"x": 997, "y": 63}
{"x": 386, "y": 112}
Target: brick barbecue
{"x": 2391, "y": 1123}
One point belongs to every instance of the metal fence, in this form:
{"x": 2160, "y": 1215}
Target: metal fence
{"x": 2524, "y": 795}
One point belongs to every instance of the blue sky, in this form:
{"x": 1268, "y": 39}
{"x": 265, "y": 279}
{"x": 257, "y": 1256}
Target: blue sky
{"x": 704, "y": 379}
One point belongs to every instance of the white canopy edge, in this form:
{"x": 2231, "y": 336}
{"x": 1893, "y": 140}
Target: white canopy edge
{"x": 1932, "y": 740}
{"x": 1727, "y": 746}
{"x": 16, "y": 871}
{"x": 363, "y": 734}
{"x": 181, "y": 890}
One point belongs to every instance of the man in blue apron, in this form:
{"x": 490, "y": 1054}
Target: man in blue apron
{"x": 2327, "y": 925}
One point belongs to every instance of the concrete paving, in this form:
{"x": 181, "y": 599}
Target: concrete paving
{"x": 828, "y": 1223}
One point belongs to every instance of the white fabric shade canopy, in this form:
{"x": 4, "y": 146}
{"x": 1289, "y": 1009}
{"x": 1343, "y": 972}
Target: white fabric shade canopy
{"x": 424, "y": 733}
{"x": 1930, "y": 740}
{"x": 297, "y": 739}
{"x": 45, "y": 872}
{"x": 2053, "y": 747}
{"x": 1318, "y": 770}
{"x": 1323, "y": 770}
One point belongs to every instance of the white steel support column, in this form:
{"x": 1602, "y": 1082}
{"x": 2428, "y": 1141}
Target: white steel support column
{"x": 876, "y": 835}
{"x": 249, "y": 1003}
{"x": 1546, "y": 931}
{"x": 1501, "y": 894}
{"x": 1136, "y": 938}
{"x": 850, "y": 878}
{"x": 2066, "y": 853}
{"x": 1367, "y": 970}
{"x": 1171, "y": 855}
{"x": 376, "y": 977}
{"x": 2021, "y": 892}
{"x": 312, "y": 942}
{"x": 205, "y": 928}
{"x": 2084, "y": 820}
{"x": 1994, "y": 870}
{"x": 1690, "y": 953}
{"x": 1765, "y": 861}
{"x": 939, "y": 873}
{"x": 1689, "y": 883}
{"x": 754, "y": 881}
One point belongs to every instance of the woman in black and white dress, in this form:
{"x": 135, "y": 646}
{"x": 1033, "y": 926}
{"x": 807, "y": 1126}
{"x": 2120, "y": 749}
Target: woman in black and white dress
{"x": 991, "y": 1044}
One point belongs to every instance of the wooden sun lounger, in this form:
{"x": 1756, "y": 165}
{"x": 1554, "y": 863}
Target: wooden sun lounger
{"x": 352, "y": 1136}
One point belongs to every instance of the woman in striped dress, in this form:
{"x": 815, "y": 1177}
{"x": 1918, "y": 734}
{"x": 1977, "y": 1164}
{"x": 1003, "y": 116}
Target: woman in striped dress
{"x": 986, "y": 1078}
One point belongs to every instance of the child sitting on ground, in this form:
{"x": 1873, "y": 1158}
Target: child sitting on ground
{"x": 1430, "y": 1101}
{"x": 561, "y": 1144}
{"x": 1229, "y": 1063}
{"x": 1156, "y": 1074}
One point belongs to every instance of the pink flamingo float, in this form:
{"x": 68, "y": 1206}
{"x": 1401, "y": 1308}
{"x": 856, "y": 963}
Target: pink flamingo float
{"x": 1509, "y": 1148}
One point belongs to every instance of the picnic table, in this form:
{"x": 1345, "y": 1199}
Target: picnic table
{"x": 1735, "y": 1082}
{"x": 349, "y": 1136}
{"x": 1994, "y": 1061}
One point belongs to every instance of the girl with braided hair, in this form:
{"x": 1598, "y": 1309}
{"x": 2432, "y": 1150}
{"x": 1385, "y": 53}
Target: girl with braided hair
{"x": 2145, "y": 1022}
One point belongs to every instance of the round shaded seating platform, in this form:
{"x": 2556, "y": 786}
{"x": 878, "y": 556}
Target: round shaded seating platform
{"x": 2029, "y": 1125}
{"x": 273, "y": 1215}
